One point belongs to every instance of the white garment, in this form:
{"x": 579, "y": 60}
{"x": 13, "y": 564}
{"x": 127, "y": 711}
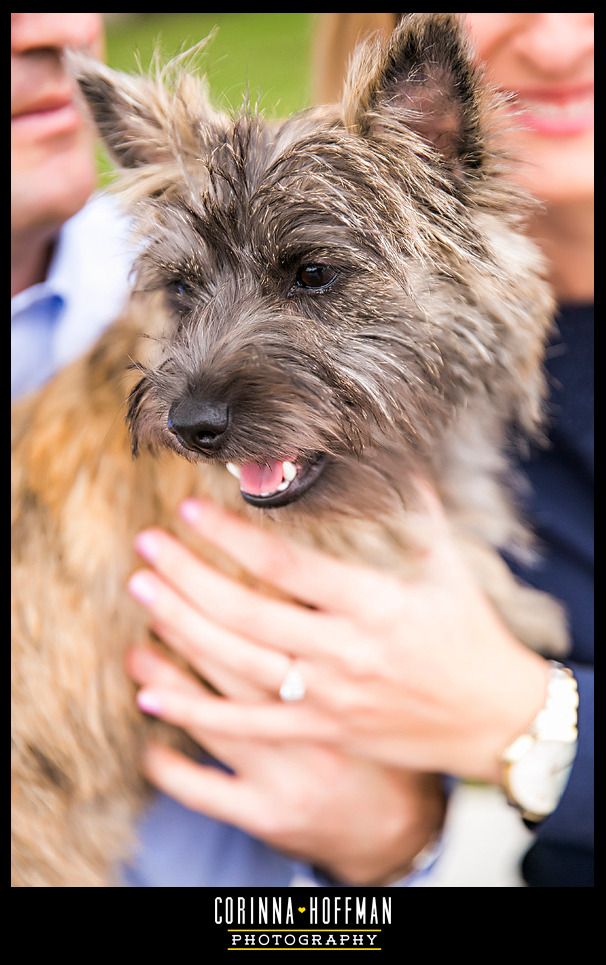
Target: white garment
{"x": 86, "y": 287}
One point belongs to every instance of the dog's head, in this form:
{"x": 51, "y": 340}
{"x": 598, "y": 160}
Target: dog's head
{"x": 331, "y": 291}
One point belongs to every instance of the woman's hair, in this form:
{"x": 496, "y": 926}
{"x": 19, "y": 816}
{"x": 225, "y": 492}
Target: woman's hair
{"x": 335, "y": 38}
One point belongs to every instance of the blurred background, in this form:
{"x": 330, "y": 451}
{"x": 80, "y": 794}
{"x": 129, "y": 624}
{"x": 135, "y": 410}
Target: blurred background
{"x": 264, "y": 54}
{"x": 267, "y": 53}
{"x": 268, "y": 56}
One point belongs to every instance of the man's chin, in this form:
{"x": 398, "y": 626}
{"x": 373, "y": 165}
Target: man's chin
{"x": 51, "y": 182}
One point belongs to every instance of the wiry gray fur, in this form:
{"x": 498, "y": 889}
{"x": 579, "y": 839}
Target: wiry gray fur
{"x": 439, "y": 305}
{"x": 422, "y": 359}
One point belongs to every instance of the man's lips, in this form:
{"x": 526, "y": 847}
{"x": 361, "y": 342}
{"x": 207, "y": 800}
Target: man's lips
{"x": 47, "y": 116}
{"x": 49, "y": 101}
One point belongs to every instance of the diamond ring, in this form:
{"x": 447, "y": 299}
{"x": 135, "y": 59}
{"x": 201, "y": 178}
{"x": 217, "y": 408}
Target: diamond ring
{"x": 293, "y": 685}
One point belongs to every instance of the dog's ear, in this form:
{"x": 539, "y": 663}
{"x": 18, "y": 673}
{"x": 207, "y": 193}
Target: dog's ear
{"x": 145, "y": 120}
{"x": 421, "y": 79}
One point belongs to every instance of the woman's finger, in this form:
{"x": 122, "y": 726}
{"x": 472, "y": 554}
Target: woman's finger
{"x": 345, "y": 593}
{"x": 146, "y": 665}
{"x": 151, "y": 669}
{"x": 206, "y": 714}
{"x": 303, "y": 573}
{"x": 218, "y": 599}
{"x": 213, "y": 651}
{"x": 229, "y": 682}
{"x": 200, "y": 787}
{"x": 222, "y": 599}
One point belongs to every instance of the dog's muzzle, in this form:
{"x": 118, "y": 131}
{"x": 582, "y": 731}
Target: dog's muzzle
{"x": 199, "y": 425}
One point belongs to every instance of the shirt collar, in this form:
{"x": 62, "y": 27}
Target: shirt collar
{"x": 90, "y": 272}
{"x": 63, "y": 262}
{"x": 54, "y": 285}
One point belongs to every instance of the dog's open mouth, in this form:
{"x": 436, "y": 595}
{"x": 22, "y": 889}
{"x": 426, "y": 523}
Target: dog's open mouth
{"x": 277, "y": 482}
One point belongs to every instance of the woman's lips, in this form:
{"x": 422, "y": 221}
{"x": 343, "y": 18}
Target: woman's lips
{"x": 562, "y": 112}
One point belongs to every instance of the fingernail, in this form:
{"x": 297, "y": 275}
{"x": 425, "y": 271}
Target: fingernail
{"x": 148, "y": 546}
{"x": 148, "y": 702}
{"x": 190, "y": 510}
{"x": 142, "y": 587}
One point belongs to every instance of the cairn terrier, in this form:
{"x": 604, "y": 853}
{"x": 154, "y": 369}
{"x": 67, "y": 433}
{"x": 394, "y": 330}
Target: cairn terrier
{"x": 332, "y": 307}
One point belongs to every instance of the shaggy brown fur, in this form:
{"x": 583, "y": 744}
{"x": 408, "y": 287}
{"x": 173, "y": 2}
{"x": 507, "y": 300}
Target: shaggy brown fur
{"x": 419, "y": 355}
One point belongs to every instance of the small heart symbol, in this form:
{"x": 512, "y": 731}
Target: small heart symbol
{"x": 302, "y": 909}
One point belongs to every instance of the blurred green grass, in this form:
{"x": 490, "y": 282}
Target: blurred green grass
{"x": 264, "y": 54}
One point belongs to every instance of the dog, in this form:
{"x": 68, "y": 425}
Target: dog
{"x": 332, "y": 306}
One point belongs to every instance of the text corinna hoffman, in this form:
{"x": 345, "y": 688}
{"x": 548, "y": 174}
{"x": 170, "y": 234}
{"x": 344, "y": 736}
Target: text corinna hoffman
{"x": 337, "y": 911}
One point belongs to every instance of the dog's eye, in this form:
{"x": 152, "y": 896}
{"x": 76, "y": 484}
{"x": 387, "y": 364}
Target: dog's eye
{"x": 178, "y": 288}
{"x": 178, "y": 293}
{"x": 315, "y": 277}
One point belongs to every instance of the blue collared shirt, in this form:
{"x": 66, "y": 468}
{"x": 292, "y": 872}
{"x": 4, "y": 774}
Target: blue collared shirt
{"x": 85, "y": 289}
{"x": 179, "y": 848}
{"x": 52, "y": 323}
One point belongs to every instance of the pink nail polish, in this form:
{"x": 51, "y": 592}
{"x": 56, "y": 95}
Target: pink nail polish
{"x": 190, "y": 510}
{"x": 141, "y": 587}
{"x": 147, "y": 546}
{"x": 148, "y": 702}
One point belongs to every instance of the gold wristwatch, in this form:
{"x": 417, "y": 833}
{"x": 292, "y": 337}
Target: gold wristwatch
{"x": 536, "y": 766}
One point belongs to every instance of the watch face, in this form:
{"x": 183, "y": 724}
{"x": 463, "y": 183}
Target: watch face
{"x": 537, "y": 781}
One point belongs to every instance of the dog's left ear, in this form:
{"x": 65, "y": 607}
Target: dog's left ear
{"x": 422, "y": 79}
{"x": 144, "y": 120}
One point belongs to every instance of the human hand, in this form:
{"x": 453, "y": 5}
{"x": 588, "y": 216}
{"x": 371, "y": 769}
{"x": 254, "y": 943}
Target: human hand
{"x": 421, "y": 674}
{"x": 359, "y": 821}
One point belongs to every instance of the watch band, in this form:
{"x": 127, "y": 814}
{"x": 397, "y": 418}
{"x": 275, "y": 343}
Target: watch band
{"x": 556, "y": 725}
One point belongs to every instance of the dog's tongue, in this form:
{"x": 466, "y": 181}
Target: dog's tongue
{"x": 260, "y": 480}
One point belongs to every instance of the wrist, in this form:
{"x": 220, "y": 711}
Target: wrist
{"x": 522, "y": 682}
{"x": 405, "y": 844}
{"x": 373, "y": 872}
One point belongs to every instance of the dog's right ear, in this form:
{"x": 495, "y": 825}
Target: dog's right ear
{"x": 144, "y": 120}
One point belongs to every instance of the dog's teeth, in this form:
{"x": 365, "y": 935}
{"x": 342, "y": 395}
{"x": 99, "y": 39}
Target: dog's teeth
{"x": 283, "y": 485}
{"x": 289, "y": 471}
{"x": 233, "y": 469}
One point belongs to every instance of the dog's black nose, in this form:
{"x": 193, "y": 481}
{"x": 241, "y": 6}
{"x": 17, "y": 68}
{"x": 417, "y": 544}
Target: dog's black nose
{"x": 199, "y": 425}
